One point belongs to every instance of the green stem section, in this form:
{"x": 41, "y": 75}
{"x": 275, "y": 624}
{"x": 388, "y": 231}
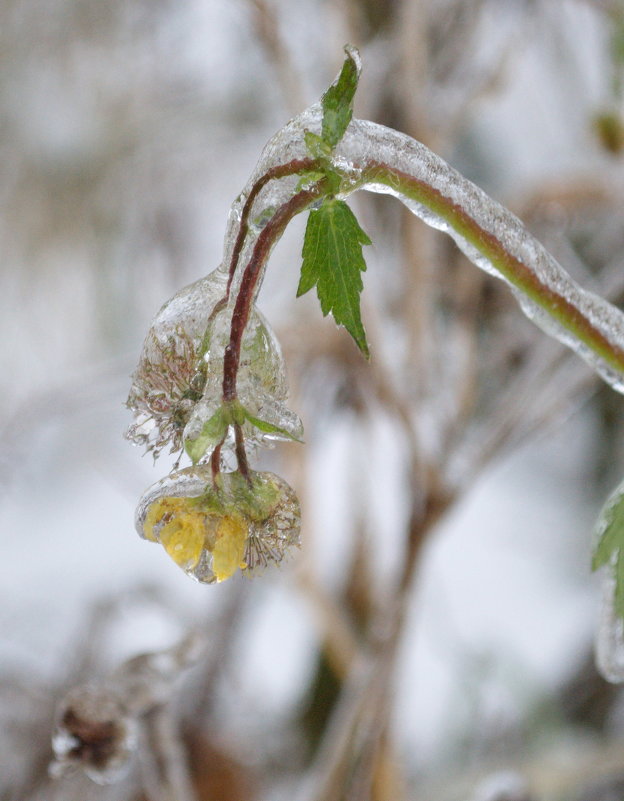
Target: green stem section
{"x": 514, "y": 271}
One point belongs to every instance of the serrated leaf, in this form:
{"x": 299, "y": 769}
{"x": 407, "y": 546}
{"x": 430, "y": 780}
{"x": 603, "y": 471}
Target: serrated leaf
{"x": 269, "y": 428}
{"x": 337, "y": 102}
{"x": 609, "y": 549}
{"x": 213, "y": 431}
{"x": 333, "y": 262}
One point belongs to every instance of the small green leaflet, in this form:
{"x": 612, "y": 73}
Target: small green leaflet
{"x": 308, "y": 179}
{"x": 269, "y": 428}
{"x": 333, "y": 261}
{"x": 337, "y": 101}
{"x": 609, "y": 549}
{"x": 213, "y": 431}
{"x": 216, "y": 427}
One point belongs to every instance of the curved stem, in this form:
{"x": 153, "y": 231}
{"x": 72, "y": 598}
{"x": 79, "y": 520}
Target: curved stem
{"x": 520, "y": 275}
{"x": 294, "y": 167}
{"x": 269, "y": 235}
{"x": 380, "y": 159}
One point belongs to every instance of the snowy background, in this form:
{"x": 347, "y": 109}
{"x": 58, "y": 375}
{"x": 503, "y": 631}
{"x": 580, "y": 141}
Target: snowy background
{"x": 128, "y": 129}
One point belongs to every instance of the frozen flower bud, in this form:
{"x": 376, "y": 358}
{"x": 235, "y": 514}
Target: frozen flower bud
{"x": 93, "y": 733}
{"x": 212, "y": 531}
{"x": 177, "y": 386}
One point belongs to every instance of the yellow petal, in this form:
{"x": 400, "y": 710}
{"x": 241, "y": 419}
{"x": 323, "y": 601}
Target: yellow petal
{"x": 163, "y": 507}
{"x": 183, "y": 539}
{"x": 229, "y": 549}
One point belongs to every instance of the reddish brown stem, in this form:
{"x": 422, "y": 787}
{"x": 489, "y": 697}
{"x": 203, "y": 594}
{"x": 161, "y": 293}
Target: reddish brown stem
{"x": 242, "y": 308}
{"x": 215, "y": 462}
{"x": 241, "y": 454}
{"x": 522, "y": 276}
{"x": 280, "y": 171}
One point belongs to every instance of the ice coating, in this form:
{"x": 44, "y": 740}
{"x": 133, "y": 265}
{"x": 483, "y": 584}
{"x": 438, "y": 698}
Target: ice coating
{"x": 379, "y": 159}
{"x": 178, "y": 382}
{"x": 285, "y": 147}
{"x": 482, "y": 228}
{"x": 211, "y": 532}
{"x": 610, "y": 633}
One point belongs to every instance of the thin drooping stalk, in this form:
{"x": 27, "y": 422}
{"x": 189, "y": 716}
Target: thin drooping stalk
{"x": 295, "y": 167}
{"x": 269, "y": 235}
{"x": 241, "y": 453}
{"x": 162, "y": 757}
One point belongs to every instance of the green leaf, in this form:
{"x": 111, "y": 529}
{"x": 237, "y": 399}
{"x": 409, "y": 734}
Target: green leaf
{"x": 269, "y": 428}
{"x": 316, "y": 146}
{"x": 609, "y": 549}
{"x": 265, "y": 215}
{"x": 333, "y": 261}
{"x": 337, "y": 102}
{"x": 213, "y": 431}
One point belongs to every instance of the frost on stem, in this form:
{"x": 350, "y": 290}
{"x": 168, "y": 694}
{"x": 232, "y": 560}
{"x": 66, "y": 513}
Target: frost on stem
{"x": 212, "y": 531}
{"x": 176, "y": 387}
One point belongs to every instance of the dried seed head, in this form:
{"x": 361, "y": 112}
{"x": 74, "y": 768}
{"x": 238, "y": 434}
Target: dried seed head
{"x": 94, "y": 733}
{"x": 162, "y": 396}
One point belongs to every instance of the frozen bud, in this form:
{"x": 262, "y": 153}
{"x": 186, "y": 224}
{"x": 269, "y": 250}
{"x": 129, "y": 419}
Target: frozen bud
{"x": 149, "y": 679}
{"x": 169, "y": 379}
{"x": 177, "y": 386}
{"x": 93, "y": 732}
{"x": 211, "y": 529}
{"x": 261, "y": 387}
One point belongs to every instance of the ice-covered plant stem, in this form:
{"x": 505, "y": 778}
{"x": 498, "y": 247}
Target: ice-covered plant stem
{"x": 353, "y": 155}
{"x": 271, "y": 232}
{"x": 216, "y": 354}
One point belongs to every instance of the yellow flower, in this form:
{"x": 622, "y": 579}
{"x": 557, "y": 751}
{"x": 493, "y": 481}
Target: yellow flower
{"x": 185, "y": 531}
{"x": 211, "y": 530}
